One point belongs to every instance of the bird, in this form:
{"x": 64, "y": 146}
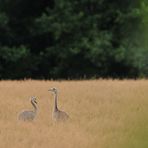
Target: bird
{"x": 57, "y": 115}
{"x": 29, "y": 115}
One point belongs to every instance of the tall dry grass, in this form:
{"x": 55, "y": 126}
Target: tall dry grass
{"x": 104, "y": 114}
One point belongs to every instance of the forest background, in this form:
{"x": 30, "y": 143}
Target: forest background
{"x": 73, "y": 39}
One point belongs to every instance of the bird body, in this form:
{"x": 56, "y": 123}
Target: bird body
{"x": 57, "y": 115}
{"x": 29, "y": 115}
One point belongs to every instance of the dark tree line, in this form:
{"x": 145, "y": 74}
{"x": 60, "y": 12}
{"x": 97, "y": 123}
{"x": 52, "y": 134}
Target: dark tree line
{"x": 74, "y": 39}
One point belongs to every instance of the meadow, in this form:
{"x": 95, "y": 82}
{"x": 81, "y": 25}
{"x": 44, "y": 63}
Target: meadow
{"x": 103, "y": 114}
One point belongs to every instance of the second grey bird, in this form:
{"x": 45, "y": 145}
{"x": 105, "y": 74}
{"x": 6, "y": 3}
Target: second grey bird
{"x": 29, "y": 115}
{"x": 57, "y": 114}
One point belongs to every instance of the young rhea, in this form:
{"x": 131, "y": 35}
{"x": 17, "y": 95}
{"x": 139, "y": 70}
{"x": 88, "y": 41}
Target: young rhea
{"x": 29, "y": 115}
{"x": 57, "y": 115}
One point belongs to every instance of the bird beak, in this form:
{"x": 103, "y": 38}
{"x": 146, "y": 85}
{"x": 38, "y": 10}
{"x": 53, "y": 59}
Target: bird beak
{"x": 49, "y": 89}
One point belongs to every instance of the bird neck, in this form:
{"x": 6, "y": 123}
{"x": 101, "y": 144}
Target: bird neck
{"x": 35, "y": 107}
{"x": 55, "y": 102}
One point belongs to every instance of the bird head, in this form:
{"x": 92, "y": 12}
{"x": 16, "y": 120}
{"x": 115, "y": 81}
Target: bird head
{"x": 33, "y": 99}
{"x": 54, "y": 90}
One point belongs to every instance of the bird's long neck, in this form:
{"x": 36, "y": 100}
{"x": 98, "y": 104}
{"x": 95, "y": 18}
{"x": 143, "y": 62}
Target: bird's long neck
{"x": 55, "y": 102}
{"x": 35, "y": 107}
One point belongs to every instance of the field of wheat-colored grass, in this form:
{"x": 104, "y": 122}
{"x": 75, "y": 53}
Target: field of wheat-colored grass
{"x": 103, "y": 114}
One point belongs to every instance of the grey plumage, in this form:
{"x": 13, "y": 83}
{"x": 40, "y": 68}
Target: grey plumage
{"x": 29, "y": 115}
{"x": 57, "y": 115}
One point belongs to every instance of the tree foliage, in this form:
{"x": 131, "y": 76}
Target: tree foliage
{"x": 73, "y": 39}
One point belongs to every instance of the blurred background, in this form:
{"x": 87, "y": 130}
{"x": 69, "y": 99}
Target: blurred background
{"x": 73, "y": 39}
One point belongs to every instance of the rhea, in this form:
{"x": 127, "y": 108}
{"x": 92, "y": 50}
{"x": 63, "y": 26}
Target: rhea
{"x": 57, "y": 115}
{"x": 29, "y": 115}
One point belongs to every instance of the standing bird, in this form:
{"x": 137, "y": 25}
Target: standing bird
{"x": 29, "y": 115}
{"x": 57, "y": 115}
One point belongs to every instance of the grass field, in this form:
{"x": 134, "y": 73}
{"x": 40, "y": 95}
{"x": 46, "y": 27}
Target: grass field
{"x": 104, "y": 114}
